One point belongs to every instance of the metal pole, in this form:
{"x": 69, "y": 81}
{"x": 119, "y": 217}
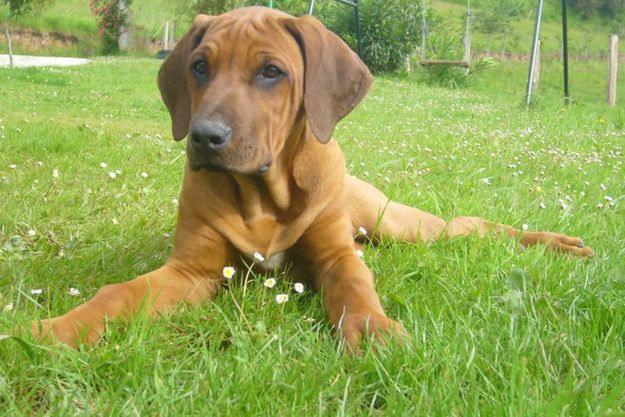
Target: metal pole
{"x": 424, "y": 31}
{"x": 271, "y": 4}
{"x": 311, "y": 7}
{"x": 358, "y": 32}
{"x": 565, "y": 54}
{"x": 530, "y": 76}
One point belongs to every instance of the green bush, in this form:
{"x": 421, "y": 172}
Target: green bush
{"x": 190, "y": 8}
{"x": 391, "y": 30}
{"x": 110, "y": 18}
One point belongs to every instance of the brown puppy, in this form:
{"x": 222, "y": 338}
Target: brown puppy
{"x": 259, "y": 92}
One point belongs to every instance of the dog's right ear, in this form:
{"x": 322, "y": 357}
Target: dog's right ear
{"x": 172, "y": 77}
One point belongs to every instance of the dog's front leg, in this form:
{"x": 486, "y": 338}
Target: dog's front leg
{"x": 192, "y": 275}
{"x": 346, "y": 283}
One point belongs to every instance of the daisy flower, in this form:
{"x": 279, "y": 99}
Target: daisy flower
{"x": 270, "y": 282}
{"x": 298, "y": 287}
{"x": 282, "y": 298}
{"x": 228, "y": 272}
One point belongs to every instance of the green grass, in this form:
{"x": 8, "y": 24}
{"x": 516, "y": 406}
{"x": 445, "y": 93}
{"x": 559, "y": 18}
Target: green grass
{"x": 494, "y": 331}
{"x": 586, "y": 36}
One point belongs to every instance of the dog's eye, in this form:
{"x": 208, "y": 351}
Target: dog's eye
{"x": 271, "y": 72}
{"x": 200, "y": 66}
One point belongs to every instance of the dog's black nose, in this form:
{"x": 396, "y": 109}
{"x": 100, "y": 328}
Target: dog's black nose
{"x": 209, "y": 135}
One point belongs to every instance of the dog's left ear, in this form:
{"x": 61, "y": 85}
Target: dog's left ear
{"x": 172, "y": 77}
{"x": 335, "y": 79}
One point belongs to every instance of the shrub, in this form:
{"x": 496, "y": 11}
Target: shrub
{"x": 191, "y": 8}
{"x": 391, "y": 30}
{"x": 605, "y": 8}
{"x": 110, "y": 19}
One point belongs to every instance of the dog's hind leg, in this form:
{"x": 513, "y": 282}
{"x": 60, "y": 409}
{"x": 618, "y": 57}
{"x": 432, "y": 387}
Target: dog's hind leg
{"x": 381, "y": 218}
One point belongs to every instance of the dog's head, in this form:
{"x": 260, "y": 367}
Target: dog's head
{"x": 239, "y": 84}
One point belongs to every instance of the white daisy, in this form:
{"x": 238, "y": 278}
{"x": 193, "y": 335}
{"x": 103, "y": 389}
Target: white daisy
{"x": 31, "y": 233}
{"x": 144, "y": 174}
{"x": 259, "y": 257}
{"x": 298, "y": 287}
{"x": 282, "y": 298}
{"x": 8, "y": 307}
{"x": 55, "y": 173}
{"x": 360, "y": 253}
{"x": 103, "y": 165}
{"x": 270, "y": 282}
{"x": 36, "y": 291}
{"x": 228, "y": 272}
{"x": 362, "y": 231}
{"x": 74, "y": 292}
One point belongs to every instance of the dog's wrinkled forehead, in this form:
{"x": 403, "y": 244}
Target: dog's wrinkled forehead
{"x": 243, "y": 32}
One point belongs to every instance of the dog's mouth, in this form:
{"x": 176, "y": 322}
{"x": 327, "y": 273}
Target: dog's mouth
{"x": 213, "y": 167}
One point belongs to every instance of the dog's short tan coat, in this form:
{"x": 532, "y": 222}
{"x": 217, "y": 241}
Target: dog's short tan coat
{"x": 304, "y": 209}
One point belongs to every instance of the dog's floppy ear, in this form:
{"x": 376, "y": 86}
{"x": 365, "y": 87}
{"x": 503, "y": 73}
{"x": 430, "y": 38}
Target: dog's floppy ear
{"x": 172, "y": 77}
{"x": 335, "y": 79}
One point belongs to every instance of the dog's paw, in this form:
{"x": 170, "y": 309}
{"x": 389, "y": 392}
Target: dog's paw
{"x": 377, "y": 327}
{"x": 558, "y": 242}
{"x": 67, "y": 331}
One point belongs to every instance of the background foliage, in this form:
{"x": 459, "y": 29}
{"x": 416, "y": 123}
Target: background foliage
{"x": 390, "y": 30}
{"x": 110, "y": 19}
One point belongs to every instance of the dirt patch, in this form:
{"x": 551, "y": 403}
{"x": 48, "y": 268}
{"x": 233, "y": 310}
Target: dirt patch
{"x": 33, "y": 39}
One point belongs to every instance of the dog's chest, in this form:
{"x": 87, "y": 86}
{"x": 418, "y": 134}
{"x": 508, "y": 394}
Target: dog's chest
{"x": 268, "y": 263}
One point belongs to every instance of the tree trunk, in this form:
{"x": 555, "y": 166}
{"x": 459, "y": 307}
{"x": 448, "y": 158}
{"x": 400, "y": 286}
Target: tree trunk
{"x": 123, "y": 40}
{"x": 8, "y": 36}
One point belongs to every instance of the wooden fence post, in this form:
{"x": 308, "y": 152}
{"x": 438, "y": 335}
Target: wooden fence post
{"x": 467, "y": 40}
{"x": 536, "y": 78}
{"x": 172, "y": 36}
{"x": 612, "y": 69}
{"x": 165, "y": 36}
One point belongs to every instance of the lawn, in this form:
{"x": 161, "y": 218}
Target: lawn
{"x": 89, "y": 178}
